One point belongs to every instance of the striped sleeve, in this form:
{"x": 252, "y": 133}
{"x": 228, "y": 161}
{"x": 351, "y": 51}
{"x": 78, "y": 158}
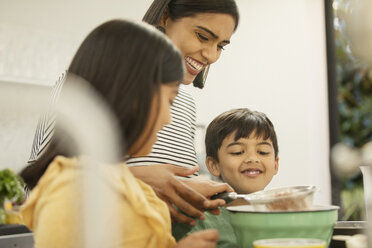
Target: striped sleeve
{"x": 45, "y": 126}
{"x": 175, "y": 144}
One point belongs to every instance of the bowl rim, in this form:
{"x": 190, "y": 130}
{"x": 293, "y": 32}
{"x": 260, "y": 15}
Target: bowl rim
{"x": 276, "y": 194}
{"x": 315, "y": 208}
{"x": 360, "y": 224}
{"x": 290, "y": 242}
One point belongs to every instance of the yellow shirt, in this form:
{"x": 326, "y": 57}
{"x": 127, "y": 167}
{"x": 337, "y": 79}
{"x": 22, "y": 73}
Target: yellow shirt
{"x": 54, "y": 209}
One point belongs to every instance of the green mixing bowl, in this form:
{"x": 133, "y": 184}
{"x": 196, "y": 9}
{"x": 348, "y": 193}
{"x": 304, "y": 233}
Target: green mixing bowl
{"x": 250, "y": 225}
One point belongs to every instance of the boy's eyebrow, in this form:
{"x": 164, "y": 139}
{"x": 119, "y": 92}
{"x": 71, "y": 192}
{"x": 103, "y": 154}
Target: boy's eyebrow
{"x": 240, "y": 143}
{"x": 265, "y": 143}
{"x": 235, "y": 143}
{"x": 213, "y": 34}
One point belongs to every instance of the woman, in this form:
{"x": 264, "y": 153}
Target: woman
{"x": 200, "y": 29}
{"x": 137, "y": 72}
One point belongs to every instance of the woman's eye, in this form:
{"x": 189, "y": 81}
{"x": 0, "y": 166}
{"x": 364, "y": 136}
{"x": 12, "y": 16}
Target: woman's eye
{"x": 220, "y": 47}
{"x": 202, "y": 37}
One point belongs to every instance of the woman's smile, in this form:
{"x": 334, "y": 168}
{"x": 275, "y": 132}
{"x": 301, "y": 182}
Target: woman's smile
{"x": 193, "y": 66}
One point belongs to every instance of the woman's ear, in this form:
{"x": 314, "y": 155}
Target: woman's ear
{"x": 213, "y": 166}
{"x": 164, "y": 18}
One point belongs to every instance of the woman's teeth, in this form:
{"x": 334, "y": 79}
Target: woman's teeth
{"x": 194, "y": 64}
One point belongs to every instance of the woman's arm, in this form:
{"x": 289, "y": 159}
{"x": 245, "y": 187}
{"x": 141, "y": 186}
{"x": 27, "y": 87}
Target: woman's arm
{"x": 190, "y": 196}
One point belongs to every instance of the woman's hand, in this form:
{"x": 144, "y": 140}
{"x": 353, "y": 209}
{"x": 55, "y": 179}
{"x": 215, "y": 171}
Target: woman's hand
{"x": 176, "y": 193}
{"x": 202, "y": 239}
{"x": 208, "y": 188}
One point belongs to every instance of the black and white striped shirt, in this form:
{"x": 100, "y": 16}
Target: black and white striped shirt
{"x": 45, "y": 126}
{"x": 175, "y": 144}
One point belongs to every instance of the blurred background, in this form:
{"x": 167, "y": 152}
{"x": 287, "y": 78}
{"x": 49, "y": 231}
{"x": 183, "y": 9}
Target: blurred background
{"x": 289, "y": 59}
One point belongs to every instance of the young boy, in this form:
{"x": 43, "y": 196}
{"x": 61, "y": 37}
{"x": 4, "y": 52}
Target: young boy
{"x": 242, "y": 150}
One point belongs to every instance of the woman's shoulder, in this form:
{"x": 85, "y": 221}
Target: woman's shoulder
{"x": 185, "y": 96}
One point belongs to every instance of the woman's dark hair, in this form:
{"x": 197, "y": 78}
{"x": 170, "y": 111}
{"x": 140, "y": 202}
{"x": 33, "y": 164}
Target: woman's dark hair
{"x": 178, "y": 9}
{"x": 244, "y": 122}
{"x": 125, "y": 62}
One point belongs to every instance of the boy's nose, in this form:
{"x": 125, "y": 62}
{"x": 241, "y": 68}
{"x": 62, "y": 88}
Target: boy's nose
{"x": 251, "y": 159}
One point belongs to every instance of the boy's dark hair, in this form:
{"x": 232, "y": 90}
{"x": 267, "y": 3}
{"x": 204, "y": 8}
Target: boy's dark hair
{"x": 178, "y": 9}
{"x": 244, "y": 122}
{"x": 126, "y": 63}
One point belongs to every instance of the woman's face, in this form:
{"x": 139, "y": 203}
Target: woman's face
{"x": 200, "y": 38}
{"x": 159, "y": 116}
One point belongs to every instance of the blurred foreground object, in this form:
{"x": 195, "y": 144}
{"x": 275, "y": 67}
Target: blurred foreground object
{"x": 354, "y": 98}
{"x": 11, "y": 193}
{"x": 357, "y": 241}
{"x": 367, "y": 154}
{"x": 359, "y": 29}
{"x": 345, "y": 161}
{"x": 85, "y": 118}
{"x": 366, "y": 170}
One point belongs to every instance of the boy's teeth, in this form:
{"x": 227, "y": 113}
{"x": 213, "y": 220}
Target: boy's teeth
{"x": 252, "y": 172}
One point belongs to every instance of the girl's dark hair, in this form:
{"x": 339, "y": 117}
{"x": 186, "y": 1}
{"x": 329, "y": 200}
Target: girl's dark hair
{"x": 244, "y": 122}
{"x": 178, "y": 9}
{"x": 125, "y": 62}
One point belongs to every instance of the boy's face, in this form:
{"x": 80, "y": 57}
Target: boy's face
{"x": 247, "y": 164}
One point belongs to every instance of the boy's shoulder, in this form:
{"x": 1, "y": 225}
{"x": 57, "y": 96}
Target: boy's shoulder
{"x": 219, "y": 222}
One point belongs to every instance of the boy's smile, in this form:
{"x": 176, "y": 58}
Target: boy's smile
{"x": 247, "y": 164}
{"x": 251, "y": 172}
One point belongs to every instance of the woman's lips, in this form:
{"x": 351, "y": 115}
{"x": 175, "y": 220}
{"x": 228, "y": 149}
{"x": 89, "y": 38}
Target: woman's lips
{"x": 193, "y": 66}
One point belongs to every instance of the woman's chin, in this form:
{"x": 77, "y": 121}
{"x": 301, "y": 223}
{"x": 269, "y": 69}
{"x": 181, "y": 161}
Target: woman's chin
{"x": 188, "y": 79}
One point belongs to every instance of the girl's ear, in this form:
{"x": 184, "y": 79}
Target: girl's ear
{"x": 213, "y": 166}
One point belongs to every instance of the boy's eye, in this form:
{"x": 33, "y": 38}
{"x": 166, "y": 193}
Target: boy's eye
{"x": 263, "y": 153}
{"x": 202, "y": 37}
{"x": 237, "y": 153}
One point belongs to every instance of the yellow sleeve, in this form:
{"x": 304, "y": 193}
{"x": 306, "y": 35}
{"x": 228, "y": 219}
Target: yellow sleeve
{"x": 54, "y": 210}
{"x": 147, "y": 218}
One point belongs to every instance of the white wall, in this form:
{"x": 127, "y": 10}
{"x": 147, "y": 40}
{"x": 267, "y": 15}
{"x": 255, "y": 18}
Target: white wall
{"x": 276, "y": 64}
{"x": 37, "y": 41}
{"x": 39, "y": 37}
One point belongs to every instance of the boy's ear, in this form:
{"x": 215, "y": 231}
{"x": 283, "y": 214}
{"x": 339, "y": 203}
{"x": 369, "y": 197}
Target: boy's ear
{"x": 213, "y": 166}
{"x": 276, "y": 165}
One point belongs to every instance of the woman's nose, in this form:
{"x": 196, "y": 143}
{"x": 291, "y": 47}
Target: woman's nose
{"x": 211, "y": 54}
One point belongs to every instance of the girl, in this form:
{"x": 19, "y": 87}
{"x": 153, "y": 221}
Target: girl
{"x": 137, "y": 72}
